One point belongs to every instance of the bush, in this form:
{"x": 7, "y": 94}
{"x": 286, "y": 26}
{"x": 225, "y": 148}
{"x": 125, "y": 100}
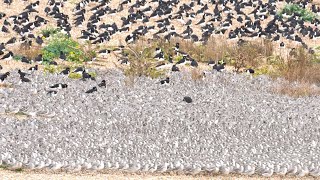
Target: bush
{"x": 62, "y": 43}
{"x": 141, "y": 62}
{"x": 302, "y": 12}
{"x": 49, "y": 31}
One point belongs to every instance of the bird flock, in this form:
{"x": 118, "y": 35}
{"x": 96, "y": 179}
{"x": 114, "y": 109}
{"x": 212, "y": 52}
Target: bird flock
{"x": 175, "y": 125}
{"x": 124, "y": 22}
{"x": 224, "y": 123}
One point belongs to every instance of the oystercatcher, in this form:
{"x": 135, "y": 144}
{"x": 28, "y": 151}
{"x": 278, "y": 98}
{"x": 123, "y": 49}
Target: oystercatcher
{"x": 34, "y": 68}
{"x": 165, "y": 81}
{"x": 4, "y": 76}
{"x": 92, "y": 90}
{"x": 59, "y": 86}
{"x": 66, "y": 71}
{"x": 102, "y": 84}
{"x": 7, "y": 56}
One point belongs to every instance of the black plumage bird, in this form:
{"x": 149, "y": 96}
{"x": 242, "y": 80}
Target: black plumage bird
{"x": 102, "y": 84}
{"x": 22, "y": 74}
{"x": 4, "y": 76}
{"x": 34, "y": 68}
{"x": 194, "y": 63}
{"x": 25, "y": 60}
{"x": 38, "y": 59}
{"x": 164, "y": 81}
{"x": 79, "y": 70}
{"x": 62, "y": 56}
{"x": 250, "y": 71}
{"x": 92, "y": 90}
{"x": 39, "y": 40}
{"x": 86, "y": 75}
{"x": 59, "y": 85}
{"x": 24, "y": 79}
{"x": 187, "y": 99}
{"x": 175, "y": 68}
{"x": 7, "y": 56}
{"x": 66, "y": 71}
{"x": 52, "y": 92}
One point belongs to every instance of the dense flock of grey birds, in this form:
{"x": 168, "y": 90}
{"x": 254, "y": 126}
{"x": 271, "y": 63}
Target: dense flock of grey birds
{"x": 224, "y": 123}
{"x": 234, "y": 124}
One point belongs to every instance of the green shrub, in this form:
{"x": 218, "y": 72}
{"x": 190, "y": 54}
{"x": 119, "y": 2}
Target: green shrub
{"x": 50, "y": 69}
{"x": 62, "y": 43}
{"x": 17, "y": 57}
{"x": 74, "y": 75}
{"x": 304, "y": 14}
{"x": 49, "y": 31}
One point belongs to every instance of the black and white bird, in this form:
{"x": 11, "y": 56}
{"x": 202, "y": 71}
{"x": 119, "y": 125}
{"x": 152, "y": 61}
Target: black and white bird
{"x": 250, "y": 71}
{"x": 59, "y": 86}
{"x": 7, "y": 56}
{"x": 22, "y": 74}
{"x": 34, "y": 68}
{"x": 4, "y": 76}
{"x": 52, "y": 92}
{"x": 92, "y": 90}
{"x": 102, "y": 84}
{"x": 159, "y": 57}
{"x": 38, "y": 59}
{"x": 104, "y": 52}
{"x": 165, "y": 81}
{"x": 65, "y": 71}
{"x": 79, "y": 70}
{"x": 25, "y": 60}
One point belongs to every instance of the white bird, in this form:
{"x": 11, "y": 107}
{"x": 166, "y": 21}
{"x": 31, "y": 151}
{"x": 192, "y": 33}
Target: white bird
{"x": 135, "y": 167}
{"x": 195, "y": 170}
{"x": 283, "y": 171}
{"x": 267, "y": 172}
{"x": 249, "y": 170}
{"x": 124, "y": 166}
{"x": 108, "y": 165}
{"x": 153, "y": 168}
{"x": 56, "y": 166}
{"x": 225, "y": 169}
{"x": 303, "y": 171}
{"x": 293, "y": 170}
{"x": 163, "y": 168}
{"x": 145, "y": 168}
{"x": 101, "y": 165}
{"x": 212, "y": 168}
{"x": 315, "y": 172}
{"x": 40, "y": 165}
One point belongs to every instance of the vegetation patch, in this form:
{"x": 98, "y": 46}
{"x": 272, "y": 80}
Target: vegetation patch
{"x": 303, "y": 13}
{"x": 49, "y": 31}
{"x": 62, "y": 44}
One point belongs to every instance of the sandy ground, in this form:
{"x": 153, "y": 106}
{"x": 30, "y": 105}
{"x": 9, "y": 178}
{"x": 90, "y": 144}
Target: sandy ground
{"x": 39, "y": 175}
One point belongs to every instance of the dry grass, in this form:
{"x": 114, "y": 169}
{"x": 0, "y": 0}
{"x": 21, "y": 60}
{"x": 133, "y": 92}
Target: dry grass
{"x": 196, "y": 74}
{"x": 141, "y": 61}
{"x": 27, "y": 51}
{"x": 301, "y": 73}
{"x": 5, "y": 85}
{"x": 296, "y": 89}
{"x": 300, "y": 67}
